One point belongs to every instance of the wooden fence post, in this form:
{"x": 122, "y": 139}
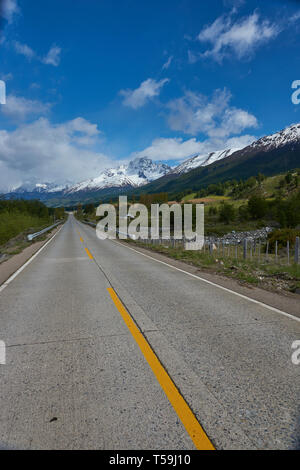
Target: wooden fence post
{"x": 297, "y": 250}
{"x": 245, "y": 248}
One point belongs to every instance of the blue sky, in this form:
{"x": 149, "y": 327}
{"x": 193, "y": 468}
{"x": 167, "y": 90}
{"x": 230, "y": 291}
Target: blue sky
{"x": 92, "y": 83}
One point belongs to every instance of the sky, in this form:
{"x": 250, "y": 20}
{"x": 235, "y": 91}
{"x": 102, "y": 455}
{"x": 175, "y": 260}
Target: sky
{"x": 91, "y": 84}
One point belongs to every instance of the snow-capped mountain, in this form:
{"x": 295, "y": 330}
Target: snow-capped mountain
{"x": 289, "y": 135}
{"x": 38, "y": 188}
{"x": 202, "y": 160}
{"x": 136, "y": 173}
{"x": 270, "y": 154}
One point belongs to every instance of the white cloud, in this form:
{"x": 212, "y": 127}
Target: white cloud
{"x": 167, "y": 63}
{"x": 194, "y": 113}
{"x": 53, "y": 56}
{"x": 42, "y": 151}
{"x": 240, "y": 38}
{"x": 20, "y": 108}
{"x": 8, "y": 9}
{"x": 179, "y": 149}
{"x": 295, "y": 17}
{"x": 141, "y": 95}
{"x": 23, "y": 49}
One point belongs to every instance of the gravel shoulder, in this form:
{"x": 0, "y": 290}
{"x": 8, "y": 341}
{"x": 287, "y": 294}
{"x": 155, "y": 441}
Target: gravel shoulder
{"x": 10, "y": 265}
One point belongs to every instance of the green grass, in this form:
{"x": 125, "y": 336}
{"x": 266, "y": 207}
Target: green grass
{"x": 14, "y": 223}
{"x": 189, "y": 196}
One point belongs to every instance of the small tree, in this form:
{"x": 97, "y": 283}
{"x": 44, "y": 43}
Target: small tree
{"x": 288, "y": 177}
{"x": 89, "y": 208}
{"x": 257, "y": 207}
{"x": 227, "y": 213}
{"x": 79, "y": 210}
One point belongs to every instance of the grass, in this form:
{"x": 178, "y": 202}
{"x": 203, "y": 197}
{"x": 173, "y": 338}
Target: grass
{"x": 14, "y": 223}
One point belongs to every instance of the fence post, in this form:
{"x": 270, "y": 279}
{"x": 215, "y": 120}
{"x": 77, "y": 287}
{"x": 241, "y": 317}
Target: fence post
{"x": 276, "y": 250}
{"x": 297, "y": 250}
{"x": 210, "y": 247}
{"x": 267, "y": 250}
{"x": 245, "y": 248}
{"x": 288, "y": 251}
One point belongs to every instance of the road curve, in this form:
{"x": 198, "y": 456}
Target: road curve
{"x": 77, "y": 376}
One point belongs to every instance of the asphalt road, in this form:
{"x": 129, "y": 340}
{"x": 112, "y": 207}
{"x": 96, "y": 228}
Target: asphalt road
{"x": 79, "y": 376}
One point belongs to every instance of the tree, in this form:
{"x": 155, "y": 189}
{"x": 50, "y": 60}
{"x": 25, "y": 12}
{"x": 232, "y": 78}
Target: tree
{"x": 89, "y": 208}
{"x": 257, "y": 207}
{"x": 227, "y": 213}
{"x": 288, "y": 177}
{"x": 287, "y": 212}
{"x": 260, "y": 177}
{"x": 79, "y": 210}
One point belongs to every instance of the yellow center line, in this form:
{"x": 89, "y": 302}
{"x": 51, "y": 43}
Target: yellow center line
{"x": 179, "y": 404}
{"x": 81, "y": 239}
{"x": 89, "y": 253}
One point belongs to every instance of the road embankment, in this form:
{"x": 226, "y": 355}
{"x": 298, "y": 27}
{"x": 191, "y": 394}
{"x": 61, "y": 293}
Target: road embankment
{"x": 10, "y": 265}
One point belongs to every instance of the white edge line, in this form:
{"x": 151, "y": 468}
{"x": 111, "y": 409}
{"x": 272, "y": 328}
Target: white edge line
{"x": 293, "y": 317}
{"x": 13, "y": 276}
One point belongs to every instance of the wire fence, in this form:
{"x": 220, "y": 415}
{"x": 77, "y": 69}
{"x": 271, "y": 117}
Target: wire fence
{"x": 257, "y": 251}
{"x": 254, "y": 250}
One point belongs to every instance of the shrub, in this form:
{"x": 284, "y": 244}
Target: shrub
{"x": 283, "y": 236}
{"x": 227, "y": 213}
{"x": 257, "y": 207}
{"x": 287, "y": 212}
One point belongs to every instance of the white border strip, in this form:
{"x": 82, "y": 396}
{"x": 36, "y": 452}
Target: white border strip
{"x": 293, "y": 317}
{"x": 13, "y": 276}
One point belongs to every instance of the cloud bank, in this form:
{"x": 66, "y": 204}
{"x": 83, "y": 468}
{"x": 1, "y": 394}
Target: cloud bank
{"x": 46, "y": 152}
{"x": 195, "y": 113}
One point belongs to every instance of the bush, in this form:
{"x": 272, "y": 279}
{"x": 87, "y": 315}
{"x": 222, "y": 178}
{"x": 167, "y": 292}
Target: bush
{"x": 287, "y": 212}
{"x": 257, "y": 207}
{"x": 283, "y": 236}
{"x": 212, "y": 210}
{"x": 243, "y": 212}
{"x": 227, "y": 213}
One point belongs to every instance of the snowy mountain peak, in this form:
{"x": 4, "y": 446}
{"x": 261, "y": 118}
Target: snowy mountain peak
{"x": 146, "y": 168}
{"x": 38, "y": 188}
{"x": 136, "y": 173}
{"x": 286, "y": 136}
{"x": 202, "y": 160}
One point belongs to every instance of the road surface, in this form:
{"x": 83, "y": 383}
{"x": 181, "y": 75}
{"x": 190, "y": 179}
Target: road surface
{"x": 109, "y": 349}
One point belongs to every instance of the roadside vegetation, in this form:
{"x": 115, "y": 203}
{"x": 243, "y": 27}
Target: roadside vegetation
{"x": 238, "y": 206}
{"x": 19, "y": 218}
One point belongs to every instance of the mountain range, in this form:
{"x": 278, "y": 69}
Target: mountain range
{"x": 269, "y": 155}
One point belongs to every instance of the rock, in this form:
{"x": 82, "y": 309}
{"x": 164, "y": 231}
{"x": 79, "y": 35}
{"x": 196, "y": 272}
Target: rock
{"x": 234, "y": 238}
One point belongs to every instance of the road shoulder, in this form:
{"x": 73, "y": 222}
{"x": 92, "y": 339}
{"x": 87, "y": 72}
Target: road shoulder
{"x": 12, "y": 264}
